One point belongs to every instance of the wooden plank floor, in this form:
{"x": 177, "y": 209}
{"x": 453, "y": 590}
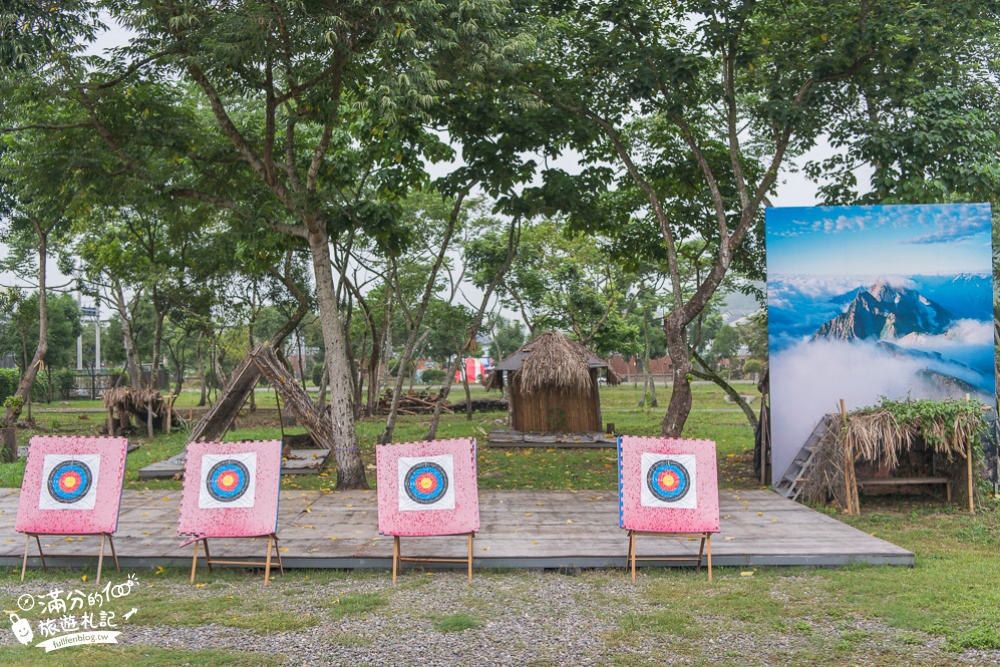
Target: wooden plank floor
{"x": 301, "y": 462}
{"x": 530, "y": 529}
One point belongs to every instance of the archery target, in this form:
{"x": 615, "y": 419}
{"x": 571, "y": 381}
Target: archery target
{"x": 228, "y": 480}
{"x": 69, "y": 481}
{"x": 425, "y": 483}
{"x": 669, "y": 480}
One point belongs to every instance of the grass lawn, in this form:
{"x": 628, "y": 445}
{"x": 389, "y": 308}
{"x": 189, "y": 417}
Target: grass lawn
{"x": 943, "y": 611}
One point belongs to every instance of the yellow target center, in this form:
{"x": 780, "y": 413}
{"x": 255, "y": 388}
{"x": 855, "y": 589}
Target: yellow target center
{"x": 228, "y": 480}
{"x": 426, "y": 483}
{"x": 69, "y": 482}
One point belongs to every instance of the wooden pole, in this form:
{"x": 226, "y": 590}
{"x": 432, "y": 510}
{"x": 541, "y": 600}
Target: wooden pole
{"x": 968, "y": 462}
{"x": 194, "y": 561}
{"x": 471, "y": 535}
{"x": 848, "y": 463}
{"x": 149, "y": 418}
{"x": 168, "y": 425}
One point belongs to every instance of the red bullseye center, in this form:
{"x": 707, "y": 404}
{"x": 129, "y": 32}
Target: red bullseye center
{"x": 669, "y": 480}
{"x": 69, "y": 481}
{"x": 228, "y": 480}
{"x": 426, "y": 483}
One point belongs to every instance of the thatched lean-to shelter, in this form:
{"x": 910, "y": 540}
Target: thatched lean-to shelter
{"x": 553, "y": 385}
{"x": 912, "y": 445}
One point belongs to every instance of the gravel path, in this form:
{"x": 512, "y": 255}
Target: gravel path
{"x": 521, "y": 619}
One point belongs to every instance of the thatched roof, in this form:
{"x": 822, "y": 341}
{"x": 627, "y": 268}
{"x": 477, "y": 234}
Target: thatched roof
{"x": 551, "y": 361}
{"x": 876, "y": 437}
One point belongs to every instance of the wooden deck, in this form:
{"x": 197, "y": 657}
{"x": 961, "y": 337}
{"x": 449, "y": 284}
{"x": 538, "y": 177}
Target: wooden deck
{"x": 524, "y": 529}
{"x": 587, "y": 439}
{"x": 301, "y": 462}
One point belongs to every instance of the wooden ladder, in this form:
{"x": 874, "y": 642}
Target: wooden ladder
{"x": 790, "y": 484}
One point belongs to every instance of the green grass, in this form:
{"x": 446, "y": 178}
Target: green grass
{"x": 539, "y": 468}
{"x": 456, "y": 623}
{"x": 131, "y": 656}
{"x": 355, "y": 604}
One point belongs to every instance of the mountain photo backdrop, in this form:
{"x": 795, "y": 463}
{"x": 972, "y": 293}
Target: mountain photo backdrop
{"x": 871, "y": 301}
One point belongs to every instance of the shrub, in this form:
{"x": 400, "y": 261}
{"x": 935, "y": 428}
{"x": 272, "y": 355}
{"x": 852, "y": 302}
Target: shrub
{"x": 432, "y": 376}
{"x": 64, "y": 382}
{"x": 9, "y": 378}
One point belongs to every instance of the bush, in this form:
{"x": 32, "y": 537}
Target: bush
{"x": 64, "y": 383}
{"x": 432, "y": 376}
{"x": 9, "y": 378}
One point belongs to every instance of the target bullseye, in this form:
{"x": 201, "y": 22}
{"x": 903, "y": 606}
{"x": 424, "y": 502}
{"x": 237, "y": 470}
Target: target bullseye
{"x": 426, "y": 483}
{"x": 668, "y": 480}
{"x": 227, "y": 480}
{"x": 69, "y": 481}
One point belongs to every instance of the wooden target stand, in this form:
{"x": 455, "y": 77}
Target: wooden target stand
{"x": 398, "y": 558}
{"x": 100, "y": 558}
{"x": 704, "y": 552}
{"x": 272, "y": 545}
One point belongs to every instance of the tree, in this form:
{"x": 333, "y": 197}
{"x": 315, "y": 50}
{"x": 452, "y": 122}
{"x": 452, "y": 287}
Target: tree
{"x": 304, "y": 118}
{"x": 732, "y": 89}
{"x": 506, "y": 336}
{"x": 724, "y": 346}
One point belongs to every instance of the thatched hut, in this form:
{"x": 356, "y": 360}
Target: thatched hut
{"x": 553, "y": 385}
{"x": 899, "y": 445}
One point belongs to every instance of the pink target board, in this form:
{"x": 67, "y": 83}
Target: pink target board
{"x": 427, "y": 488}
{"x": 231, "y": 489}
{"x": 668, "y": 485}
{"x": 72, "y": 485}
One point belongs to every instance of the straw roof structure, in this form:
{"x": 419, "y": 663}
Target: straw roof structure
{"x": 551, "y": 361}
{"x": 876, "y": 437}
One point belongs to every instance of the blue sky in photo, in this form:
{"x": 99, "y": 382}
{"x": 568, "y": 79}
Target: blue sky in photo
{"x": 880, "y": 240}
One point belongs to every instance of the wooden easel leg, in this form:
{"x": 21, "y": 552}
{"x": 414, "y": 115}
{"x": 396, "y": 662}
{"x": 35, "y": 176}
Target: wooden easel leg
{"x": 111, "y": 541}
{"x": 277, "y": 552}
{"x": 267, "y": 561}
{"x": 208, "y": 556}
{"x": 194, "y": 561}
{"x": 701, "y": 552}
{"x": 470, "y": 556}
{"x": 24, "y": 563}
{"x": 631, "y": 550}
{"x": 41, "y": 554}
{"x": 708, "y": 546}
{"x": 100, "y": 559}
{"x": 395, "y": 557}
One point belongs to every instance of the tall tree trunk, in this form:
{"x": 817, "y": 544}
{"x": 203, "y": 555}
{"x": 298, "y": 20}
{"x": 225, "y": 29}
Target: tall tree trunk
{"x": 324, "y": 381}
{"x": 201, "y": 372}
{"x": 23, "y": 392}
{"x": 648, "y": 384}
{"x": 449, "y": 375}
{"x": 411, "y": 338}
{"x": 513, "y": 241}
{"x": 680, "y": 395}
{"x": 157, "y": 341}
{"x": 468, "y": 393}
{"x": 180, "y": 379}
{"x": 131, "y": 351}
{"x": 350, "y": 468}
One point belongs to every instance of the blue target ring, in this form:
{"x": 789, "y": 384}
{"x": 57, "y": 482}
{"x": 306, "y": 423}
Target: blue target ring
{"x": 227, "y": 480}
{"x": 69, "y": 481}
{"x": 426, "y": 483}
{"x": 668, "y": 480}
